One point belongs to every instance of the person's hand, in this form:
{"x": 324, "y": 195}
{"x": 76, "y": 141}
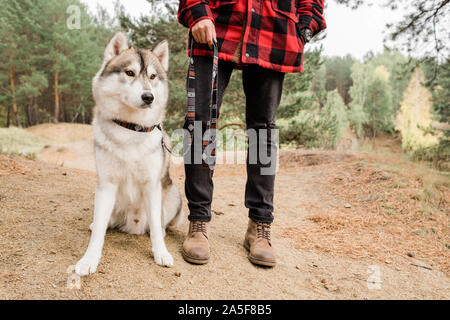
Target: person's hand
{"x": 204, "y": 31}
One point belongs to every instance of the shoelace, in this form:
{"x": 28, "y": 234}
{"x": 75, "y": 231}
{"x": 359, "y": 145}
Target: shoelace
{"x": 263, "y": 231}
{"x": 199, "y": 226}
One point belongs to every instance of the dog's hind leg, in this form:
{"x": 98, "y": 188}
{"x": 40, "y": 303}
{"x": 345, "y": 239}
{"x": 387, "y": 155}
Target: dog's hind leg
{"x": 154, "y": 210}
{"x": 105, "y": 198}
{"x": 172, "y": 208}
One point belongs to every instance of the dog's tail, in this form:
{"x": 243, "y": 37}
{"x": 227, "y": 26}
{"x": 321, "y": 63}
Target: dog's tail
{"x": 172, "y": 208}
{"x": 178, "y": 220}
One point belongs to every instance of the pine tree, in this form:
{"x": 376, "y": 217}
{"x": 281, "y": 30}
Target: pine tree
{"x": 49, "y": 67}
{"x": 359, "y": 94}
{"x": 399, "y": 73}
{"x": 380, "y": 108}
{"x": 31, "y": 87}
{"x": 11, "y": 18}
{"x": 338, "y": 75}
{"x": 335, "y": 113}
{"x": 439, "y": 84}
{"x": 371, "y": 93}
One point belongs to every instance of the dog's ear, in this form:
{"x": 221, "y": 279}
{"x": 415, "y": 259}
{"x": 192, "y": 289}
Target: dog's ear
{"x": 116, "y": 46}
{"x": 162, "y": 52}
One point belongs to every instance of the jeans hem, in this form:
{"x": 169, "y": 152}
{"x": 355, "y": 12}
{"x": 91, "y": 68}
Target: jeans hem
{"x": 258, "y": 219}
{"x": 199, "y": 218}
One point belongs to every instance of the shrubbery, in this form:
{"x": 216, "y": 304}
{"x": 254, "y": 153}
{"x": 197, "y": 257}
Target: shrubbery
{"x": 438, "y": 154}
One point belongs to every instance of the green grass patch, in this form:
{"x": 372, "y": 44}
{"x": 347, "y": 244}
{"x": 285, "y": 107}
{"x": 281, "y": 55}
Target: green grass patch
{"x": 21, "y": 142}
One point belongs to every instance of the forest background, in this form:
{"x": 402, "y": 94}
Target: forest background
{"x": 49, "y": 60}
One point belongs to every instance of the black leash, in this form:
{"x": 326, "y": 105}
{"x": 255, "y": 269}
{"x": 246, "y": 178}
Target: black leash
{"x": 165, "y": 146}
{"x": 208, "y": 161}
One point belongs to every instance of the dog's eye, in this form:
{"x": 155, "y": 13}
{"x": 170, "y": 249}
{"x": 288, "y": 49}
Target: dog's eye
{"x": 129, "y": 73}
{"x": 153, "y": 77}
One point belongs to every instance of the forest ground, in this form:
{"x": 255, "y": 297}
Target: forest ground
{"x": 348, "y": 226}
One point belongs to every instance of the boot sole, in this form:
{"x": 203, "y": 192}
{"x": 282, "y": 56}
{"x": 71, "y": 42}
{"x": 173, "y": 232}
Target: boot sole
{"x": 258, "y": 262}
{"x": 193, "y": 260}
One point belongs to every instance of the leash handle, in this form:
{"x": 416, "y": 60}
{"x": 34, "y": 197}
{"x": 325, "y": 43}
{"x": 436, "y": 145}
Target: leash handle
{"x": 208, "y": 160}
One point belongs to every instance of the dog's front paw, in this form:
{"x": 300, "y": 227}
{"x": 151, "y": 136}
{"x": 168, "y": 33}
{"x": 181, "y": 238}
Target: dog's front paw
{"x": 87, "y": 266}
{"x": 163, "y": 258}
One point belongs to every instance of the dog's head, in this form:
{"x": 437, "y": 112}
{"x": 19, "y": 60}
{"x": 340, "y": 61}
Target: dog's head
{"x": 132, "y": 79}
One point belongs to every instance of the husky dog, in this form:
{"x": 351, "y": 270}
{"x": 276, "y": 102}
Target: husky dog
{"x": 134, "y": 192}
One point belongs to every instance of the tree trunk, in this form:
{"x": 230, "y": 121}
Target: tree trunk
{"x": 13, "y": 95}
{"x": 33, "y": 112}
{"x": 8, "y": 123}
{"x": 29, "y": 113}
{"x": 63, "y": 110}
{"x": 56, "y": 118}
{"x": 374, "y": 124}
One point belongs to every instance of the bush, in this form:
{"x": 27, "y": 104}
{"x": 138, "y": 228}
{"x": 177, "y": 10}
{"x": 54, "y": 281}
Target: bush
{"x": 312, "y": 128}
{"x": 438, "y": 155}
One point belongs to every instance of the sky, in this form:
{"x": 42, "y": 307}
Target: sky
{"x": 354, "y": 32}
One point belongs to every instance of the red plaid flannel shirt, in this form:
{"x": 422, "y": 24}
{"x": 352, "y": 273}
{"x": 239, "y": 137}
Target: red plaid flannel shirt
{"x": 272, "y": 37}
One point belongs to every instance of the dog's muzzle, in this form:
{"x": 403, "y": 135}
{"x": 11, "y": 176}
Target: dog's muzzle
{"x": 148, "y": 98}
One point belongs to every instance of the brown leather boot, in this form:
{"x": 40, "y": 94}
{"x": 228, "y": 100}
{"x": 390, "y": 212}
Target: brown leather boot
{"x": 257, "y": 242}
{"x": 196, "y": 246}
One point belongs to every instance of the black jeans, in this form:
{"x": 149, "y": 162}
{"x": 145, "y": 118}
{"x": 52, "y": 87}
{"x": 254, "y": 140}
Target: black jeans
{"x": 263, "y": 89}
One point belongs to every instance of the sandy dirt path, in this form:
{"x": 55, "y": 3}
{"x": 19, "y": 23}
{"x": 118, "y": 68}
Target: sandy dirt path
{"x": 46, "y": 209}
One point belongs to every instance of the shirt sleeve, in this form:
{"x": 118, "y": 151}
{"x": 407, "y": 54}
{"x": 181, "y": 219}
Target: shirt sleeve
{"x": 192, "y": 11}
{"x": 311, "y": 15}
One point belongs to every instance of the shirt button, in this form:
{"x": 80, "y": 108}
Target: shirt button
{"x": 247, "y": 55}
{"x": 253, "y": 10}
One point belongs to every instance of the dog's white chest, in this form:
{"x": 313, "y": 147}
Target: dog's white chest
{"x": 131, "y": 156}
{"x": 137, "y": 172}
{"x": 143, "y": 166}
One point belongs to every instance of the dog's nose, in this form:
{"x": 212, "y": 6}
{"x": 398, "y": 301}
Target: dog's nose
{"x": 148, "y": 98}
